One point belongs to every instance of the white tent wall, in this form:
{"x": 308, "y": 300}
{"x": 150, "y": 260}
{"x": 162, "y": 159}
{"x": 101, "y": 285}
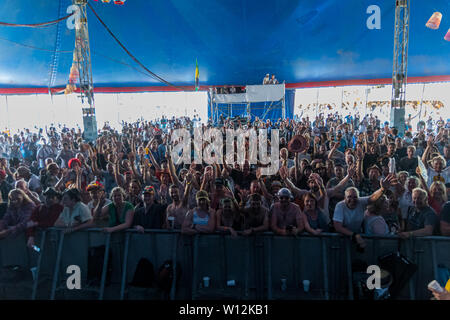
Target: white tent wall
{"x": 29, "y": 111}
{"x": 360, "y": 99}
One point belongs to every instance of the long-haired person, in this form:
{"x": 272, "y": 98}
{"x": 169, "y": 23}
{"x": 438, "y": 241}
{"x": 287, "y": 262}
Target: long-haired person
{"x": 19, "y": 210}
{"x": 120, "y": 212}
{"x": 201, "y": 219}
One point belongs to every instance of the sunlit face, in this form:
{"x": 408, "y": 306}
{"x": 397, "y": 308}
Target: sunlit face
{"x": 410, "y": 152}
{"x": 310, "y": 203}
{"x": 402, "y": 178}
{"x": 117, "y": 197}
{"x": 418, "y": 200}
{"x": 438, "y": 165}
{"x": 351, "y": 199}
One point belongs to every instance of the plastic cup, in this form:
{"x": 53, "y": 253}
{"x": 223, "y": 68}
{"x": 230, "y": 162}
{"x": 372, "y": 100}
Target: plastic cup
{"x": 306, "y": 284}
{"x": 206, "y": 282}
{"x": 171, "y": 222}
{"x": 283, "y": 284}
{"x": 33, "y": 272}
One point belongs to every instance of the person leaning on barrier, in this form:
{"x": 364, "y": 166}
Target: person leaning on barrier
{"x": 45, "y": 215}
{"x": 228, "y": 217}
{"x": 314, "y": 219}
{"x": 256, "y": 216}
{"x": 17, "y": 214}
{"x": 176, "y": 211}
{"x": 374, "y": 223}
{"x": 201, "y": 219}
{"x": 149, "y": 214}
{"x": 349, "y": 213}
{"x": 445, "y": 219}
{"x": 119, "y": 211}
{"x": 286, "y": 216}
{"x": 421, "y": 219}
{"x": 97, "y": 192}
{"x": 75, "y": 215}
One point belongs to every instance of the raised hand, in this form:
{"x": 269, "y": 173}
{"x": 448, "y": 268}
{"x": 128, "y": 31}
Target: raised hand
{"x": 283, "y": 172}
{"x": 430, "y": 141}
{"x": 390, "y": 180}
{"x": 351, "y": 170}
{"x": 258, "y": 173}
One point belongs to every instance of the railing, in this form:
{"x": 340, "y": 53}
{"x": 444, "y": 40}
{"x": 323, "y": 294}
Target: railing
{"x": 255, "y": 263}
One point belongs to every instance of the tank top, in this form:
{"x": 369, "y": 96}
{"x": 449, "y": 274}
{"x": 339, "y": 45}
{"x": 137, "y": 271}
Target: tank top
{"x": 199, "y": 220}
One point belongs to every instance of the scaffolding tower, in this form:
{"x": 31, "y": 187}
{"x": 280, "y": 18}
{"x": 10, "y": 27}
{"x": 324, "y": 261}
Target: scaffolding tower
{"x": 400, "y": 65}
{"x": 83, "y": 57}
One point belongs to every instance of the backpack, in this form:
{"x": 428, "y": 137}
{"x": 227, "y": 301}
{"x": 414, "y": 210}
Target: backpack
{"x": 144, "y": 275}
{"x": 165, "y": 276}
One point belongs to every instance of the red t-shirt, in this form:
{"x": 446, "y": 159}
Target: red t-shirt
{"x": 45, "y": 216}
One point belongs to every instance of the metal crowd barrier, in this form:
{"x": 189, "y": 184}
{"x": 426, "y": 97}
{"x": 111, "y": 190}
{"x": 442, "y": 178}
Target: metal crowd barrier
{"x": 238, "y": 268}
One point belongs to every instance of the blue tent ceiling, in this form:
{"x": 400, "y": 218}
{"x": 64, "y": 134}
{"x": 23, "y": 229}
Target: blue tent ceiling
{"x": 235, "y": 42}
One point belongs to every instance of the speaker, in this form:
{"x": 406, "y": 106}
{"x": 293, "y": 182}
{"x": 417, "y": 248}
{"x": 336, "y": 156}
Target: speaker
{"x": 90, "y": 124}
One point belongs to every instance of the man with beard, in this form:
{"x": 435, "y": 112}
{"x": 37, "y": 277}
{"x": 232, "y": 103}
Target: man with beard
{"x": 421, "y": 219}
{"x": 45, "y": 215}
{"x": 149, "y": 214}
{"x": 410, "y": 162}
{"x": 286, "y": 216}
{"x": 177, "y": 210}
{"x": 228, "y": 217}
{"x": 368, "y": 185}
{"x": 218, "y": 193}
{"x": 256, "y": 217}
{"x": 349, "y": 213}
{"x": 339, "y": 172}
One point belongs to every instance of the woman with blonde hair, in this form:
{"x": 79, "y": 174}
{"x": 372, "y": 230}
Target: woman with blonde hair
{"x": 20, "y": 207}
{"x": 120, "y": 213}
{"x": 437, "y": 196}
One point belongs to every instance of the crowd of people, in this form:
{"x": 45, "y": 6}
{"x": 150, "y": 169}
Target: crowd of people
{"x": 270, "y": 80}
{"x": 354, "y": 176}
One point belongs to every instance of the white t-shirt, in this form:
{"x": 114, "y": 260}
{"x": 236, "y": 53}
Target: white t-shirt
{"x": 351, "y": 219}
{"x": 444, "y": 174}
{"x": 80, "y": 214}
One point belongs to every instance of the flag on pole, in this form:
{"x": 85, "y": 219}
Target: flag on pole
{"x": 196, "y": 75}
